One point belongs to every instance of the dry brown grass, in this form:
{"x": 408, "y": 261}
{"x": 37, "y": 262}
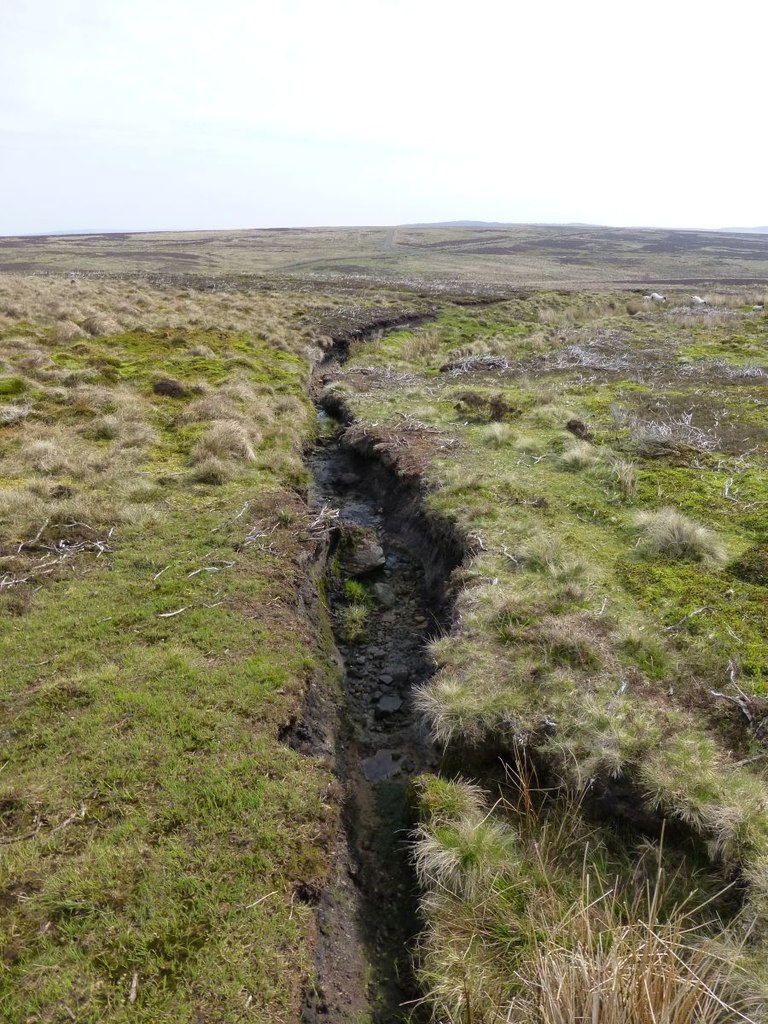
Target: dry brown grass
{"x": 67, "y": 308}
{"x": 46, "y": 456}
{"x": 226, "y": 439}
{"x": 668, "y": 532}
{"x": 212, "y": 470}
{"x": 217, "y": 405}
{"x": 14, "y": 412}
{"x": 650, "y": 970}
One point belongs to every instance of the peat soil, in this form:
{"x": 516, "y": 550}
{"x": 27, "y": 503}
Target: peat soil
{"x": 367, "y": 917}
{"x": 383, "y": 537}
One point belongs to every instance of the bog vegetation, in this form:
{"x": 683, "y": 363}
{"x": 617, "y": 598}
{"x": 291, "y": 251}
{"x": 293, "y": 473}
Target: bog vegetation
{"x": 606, "y": 677}
{"x": 597, "y": 845}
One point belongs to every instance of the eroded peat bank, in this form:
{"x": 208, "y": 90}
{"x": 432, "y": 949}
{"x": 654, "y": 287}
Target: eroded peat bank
{"x": 593, "y": 841}
{"x": 387, "y": 567}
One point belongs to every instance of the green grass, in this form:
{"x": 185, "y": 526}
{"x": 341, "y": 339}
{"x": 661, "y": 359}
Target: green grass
{"x": 154, "y": 829}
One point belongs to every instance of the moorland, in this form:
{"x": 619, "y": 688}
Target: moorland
{"x": 234, "y": 467}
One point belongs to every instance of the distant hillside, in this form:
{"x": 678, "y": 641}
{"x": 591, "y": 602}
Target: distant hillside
{"x": 475, "y": 224}
{"x": 746, "y": 231}
{"x": 490, "y": 256}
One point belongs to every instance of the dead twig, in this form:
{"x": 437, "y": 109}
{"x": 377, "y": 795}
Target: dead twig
{"x": 35, "y": 539}
{"x": 690, "y": 615}
{"x": 323, "y": 520}
{"x": 74, "y": 816}
{"x": 212, "y": 568}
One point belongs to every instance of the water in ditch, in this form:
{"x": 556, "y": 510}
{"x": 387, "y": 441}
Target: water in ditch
{"x": 367, "y": 918}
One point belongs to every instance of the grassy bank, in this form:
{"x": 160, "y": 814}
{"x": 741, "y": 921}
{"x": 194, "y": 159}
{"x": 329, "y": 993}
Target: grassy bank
{"x": 606, "y": 461}
{"x": 159, "y": 845}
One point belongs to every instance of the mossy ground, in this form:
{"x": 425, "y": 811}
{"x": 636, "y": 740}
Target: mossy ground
{"x": 156, "y": 837}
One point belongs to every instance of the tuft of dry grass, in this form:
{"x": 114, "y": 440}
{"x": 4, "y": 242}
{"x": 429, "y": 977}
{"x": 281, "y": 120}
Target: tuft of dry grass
{"x": 217, "y": 405}
{"x": 212, "y": 470}
{"x": 669, "y": 532}
{"x": 649, "y": 970}
{"x": 622, "y": 473}
{"x": 580, "y": 455}
{"x": 226, "y": 439}
{"x": 421, "y": 345}
{"x": 100, "y": 325}
{"x": 14, "y": 412}
{"x": 46, "y": 456}
{"x": 498, "y": 435}
{"x": 66, "y": 330}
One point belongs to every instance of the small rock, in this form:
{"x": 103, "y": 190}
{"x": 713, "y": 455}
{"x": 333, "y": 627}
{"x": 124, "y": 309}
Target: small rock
{"x": 384, "y": 594}
{"x": 383, "y": 765}
{"x": 388, "y": 704}
{"x": 388, "y": 618}
{"x": 365, "y": 557}
{"x": 385, "y": 678}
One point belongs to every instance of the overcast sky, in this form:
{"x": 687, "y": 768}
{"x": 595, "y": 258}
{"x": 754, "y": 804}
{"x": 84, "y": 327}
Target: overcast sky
{"x": 176, "y": 114}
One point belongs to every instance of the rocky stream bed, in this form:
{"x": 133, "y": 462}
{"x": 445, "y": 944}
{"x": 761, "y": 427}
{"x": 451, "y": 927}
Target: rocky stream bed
{"x": 367, "y": 916}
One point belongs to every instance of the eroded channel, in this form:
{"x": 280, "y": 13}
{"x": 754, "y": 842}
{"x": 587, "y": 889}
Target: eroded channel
{"x": 387, "y": 557}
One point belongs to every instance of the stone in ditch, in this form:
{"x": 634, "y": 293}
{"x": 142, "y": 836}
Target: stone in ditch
{"x": 384, "y": 594}
{"x": 383, "y": 765}
{"x": 387, "y": 705}
{"x": 365, "y": 557}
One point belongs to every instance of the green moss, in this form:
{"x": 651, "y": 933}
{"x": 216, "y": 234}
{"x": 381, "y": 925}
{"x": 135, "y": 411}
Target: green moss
{"x": 10, "y": 386}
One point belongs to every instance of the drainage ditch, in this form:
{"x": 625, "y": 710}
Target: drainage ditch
{"x": 391, "y": 560}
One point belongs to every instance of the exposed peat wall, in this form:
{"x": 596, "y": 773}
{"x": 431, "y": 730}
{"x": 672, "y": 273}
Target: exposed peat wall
{"x": 381, "y": 538}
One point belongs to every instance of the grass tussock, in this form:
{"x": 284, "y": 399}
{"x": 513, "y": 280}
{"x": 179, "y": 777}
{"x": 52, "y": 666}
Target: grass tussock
{"x": 580, "y": 455}
{"x": 531, "y": 917}
{"x": 671, "y": 534}
{"x": 353, "y": 622}
{"x": 14, "y": 412}
{"x": 623, "y": 475}
{"x": 422, "y": 344}
{"x": 212, "y": 470}
{"x": 498, "y": 435}
{"x": 649, "y": 970}
{"x": 226, "y": 439}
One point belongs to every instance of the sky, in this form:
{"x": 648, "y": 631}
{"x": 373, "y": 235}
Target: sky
{"x": 206, "y": 114}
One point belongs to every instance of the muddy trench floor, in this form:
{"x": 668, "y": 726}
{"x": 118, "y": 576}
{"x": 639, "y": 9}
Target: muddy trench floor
{"x": 367, "y": 918}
